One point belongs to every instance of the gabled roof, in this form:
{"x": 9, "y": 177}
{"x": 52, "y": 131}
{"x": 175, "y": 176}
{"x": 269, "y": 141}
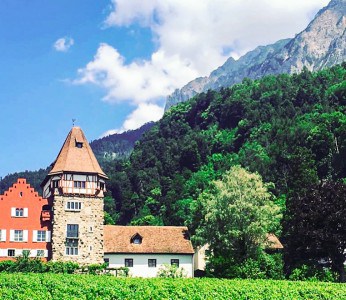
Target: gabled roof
{"x": 155, "y": 239}
{"x": 76, "y": 155}
{"x": 273, "y": 242}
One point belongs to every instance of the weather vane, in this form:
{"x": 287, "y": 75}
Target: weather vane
{"x": 73, "y": 120}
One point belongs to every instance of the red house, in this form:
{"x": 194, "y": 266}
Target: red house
{"x": 25, "y": 223}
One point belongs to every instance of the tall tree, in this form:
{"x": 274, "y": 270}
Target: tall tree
{"x": 237, "y": 214}
{"x": 316, "y": 228}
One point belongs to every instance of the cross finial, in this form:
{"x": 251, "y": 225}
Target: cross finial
{"x": 73, "y": 120}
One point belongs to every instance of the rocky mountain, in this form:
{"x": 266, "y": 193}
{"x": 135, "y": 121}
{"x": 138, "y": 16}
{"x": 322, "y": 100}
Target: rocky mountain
{"x": 322, "y": 44}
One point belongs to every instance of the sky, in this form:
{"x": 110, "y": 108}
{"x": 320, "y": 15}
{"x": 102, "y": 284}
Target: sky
{"x": 110, "y": 64}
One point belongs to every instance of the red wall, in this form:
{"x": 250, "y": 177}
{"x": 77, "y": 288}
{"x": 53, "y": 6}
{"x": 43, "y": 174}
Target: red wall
{"x": 22, "y": 195}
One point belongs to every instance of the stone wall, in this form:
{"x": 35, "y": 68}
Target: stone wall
{"x": 90, "y": 221}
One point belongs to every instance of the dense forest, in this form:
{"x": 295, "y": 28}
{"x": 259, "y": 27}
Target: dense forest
{"x": 289, "y": 129}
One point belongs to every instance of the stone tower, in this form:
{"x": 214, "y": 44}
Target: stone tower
{"x": 75, "y": 189}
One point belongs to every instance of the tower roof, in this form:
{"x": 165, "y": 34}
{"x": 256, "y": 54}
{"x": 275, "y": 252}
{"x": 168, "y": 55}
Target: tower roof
{"x": 76, "y": 155}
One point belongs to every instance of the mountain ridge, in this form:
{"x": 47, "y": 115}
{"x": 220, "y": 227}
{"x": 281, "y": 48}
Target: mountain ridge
{"x": 321, "y": 44}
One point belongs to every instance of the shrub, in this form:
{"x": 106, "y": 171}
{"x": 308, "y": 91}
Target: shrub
{"x": 171, "y": 271}
{"x": 265, "y": 266}
{"x": 313, "y": 273}
{"x": 62, "y": 267}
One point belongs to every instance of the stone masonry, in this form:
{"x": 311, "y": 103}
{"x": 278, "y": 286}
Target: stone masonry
{"x": 90, "y": 221}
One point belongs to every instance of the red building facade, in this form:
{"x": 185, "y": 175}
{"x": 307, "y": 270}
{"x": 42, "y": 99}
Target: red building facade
{"x": 25, "y": 223}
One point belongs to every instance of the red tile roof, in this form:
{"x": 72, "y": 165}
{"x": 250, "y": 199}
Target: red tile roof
{"x": 155, "y": 239}
{"x": 74, "y": 159}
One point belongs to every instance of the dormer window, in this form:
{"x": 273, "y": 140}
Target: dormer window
{"x": 79, "y": 144}
{"x": 136, "y": 239}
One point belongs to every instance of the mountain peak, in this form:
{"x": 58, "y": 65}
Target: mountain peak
{"x": 322, "y": 44}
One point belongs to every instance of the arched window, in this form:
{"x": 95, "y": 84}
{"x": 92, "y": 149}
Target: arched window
{"x": 136, "y": 239}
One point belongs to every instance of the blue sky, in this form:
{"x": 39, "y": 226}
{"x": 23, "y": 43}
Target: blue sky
{"x": 111, "y": 63}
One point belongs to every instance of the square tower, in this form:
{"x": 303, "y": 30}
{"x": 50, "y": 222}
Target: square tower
{"x": 75, "y": 187}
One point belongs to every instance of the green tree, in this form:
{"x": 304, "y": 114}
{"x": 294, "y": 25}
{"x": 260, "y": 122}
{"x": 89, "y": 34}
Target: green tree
{"x": 237, "y": 213}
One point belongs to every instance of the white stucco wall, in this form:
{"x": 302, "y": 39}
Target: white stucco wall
{"x": 140, "y": 263}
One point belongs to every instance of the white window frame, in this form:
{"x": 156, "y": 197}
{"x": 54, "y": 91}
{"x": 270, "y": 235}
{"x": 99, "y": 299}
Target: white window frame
{"x": 72, "y": 250}
{"x": 18, "y": 235}
{"x": 19, "y": 212}
{"x": 2, "y": 235}
{"x": 8, "y": 252}
{"x": 72, "y": 205}
{"x": 35, "y": 234}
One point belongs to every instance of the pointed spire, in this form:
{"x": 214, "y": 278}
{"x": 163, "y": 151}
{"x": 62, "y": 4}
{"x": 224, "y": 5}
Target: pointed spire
{"x": 76, "y": 155}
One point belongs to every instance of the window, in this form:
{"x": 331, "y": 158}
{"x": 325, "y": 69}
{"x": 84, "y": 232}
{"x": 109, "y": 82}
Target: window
{"x": 79, "y": 184}
{"x": 71, "y": 247}
{"x": 26, "y": 253}
{"x": 175, "y": 262}
{"x": 41, "y": 236}
{"x": 18, "y": 236}
{"x": 79, "y": 144}
{"x": 136, "y": 239}
{"x": 40, "y": 253}
{"x": 73, "y": 205}
{"x": 19, "y": 212}
{"x": 152, "y": 263}
{"x": 10, "y": 252}
{"x": 106, "y": 260}
{"x": 55, "y": 183}
{"x": 129, "y": 262}
{"x": 72, "y": 231}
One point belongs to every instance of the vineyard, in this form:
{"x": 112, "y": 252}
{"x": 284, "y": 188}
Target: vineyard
{"x": 56, "y": 286}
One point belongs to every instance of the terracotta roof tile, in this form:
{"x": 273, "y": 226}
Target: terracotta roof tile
{"x": 71, "y": 158}
{"x": 155, "y": 239}
{"x": 273, "y": 242}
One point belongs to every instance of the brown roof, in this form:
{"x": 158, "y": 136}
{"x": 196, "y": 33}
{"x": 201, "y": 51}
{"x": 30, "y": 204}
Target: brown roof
{"x": 273, "y": 242}
{"x": 74, "y": 159}
{"x": 155, "y": 239}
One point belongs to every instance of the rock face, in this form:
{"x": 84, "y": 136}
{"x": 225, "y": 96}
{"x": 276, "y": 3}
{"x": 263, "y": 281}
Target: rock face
{"x": 322, "y": 44}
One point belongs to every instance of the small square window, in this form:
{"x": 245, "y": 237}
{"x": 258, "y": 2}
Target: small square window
{"x": 41, "y": 235}
{"x": 106, "y": 260}
{"x": 19, "y": 212}
{"x": 129, "y": 262}
{"x": 18, "y": 235}
{"x": 11, "y": 252}
{"x": 40, "y": 253}
{"x": 175, "y": 262}
{"x": 152, "y": 263}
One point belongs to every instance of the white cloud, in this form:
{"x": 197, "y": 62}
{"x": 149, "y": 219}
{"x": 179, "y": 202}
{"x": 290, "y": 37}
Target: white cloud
{"x": 63, "y": 44}
{"x": 192, "y": 39}
{"x": 144, "y": 113}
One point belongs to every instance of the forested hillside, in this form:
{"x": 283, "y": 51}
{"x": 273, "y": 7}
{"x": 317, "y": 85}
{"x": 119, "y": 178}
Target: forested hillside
{"x": 289, "y": 129}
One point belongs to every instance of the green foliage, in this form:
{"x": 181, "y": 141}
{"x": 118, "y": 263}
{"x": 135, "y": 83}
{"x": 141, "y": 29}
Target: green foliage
{"x": 25, "y": 264}
{"x": 171, "y": 271}
{"x": 64, "y": 286}
{"x": 237, "y": 214}
{"x": 62, "y": 267}
{"x": 315, "y": 227}
{"x": 313, "y": 273}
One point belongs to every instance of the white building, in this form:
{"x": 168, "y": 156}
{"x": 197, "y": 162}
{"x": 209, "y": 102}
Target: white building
{"x": 145, "y": 249}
